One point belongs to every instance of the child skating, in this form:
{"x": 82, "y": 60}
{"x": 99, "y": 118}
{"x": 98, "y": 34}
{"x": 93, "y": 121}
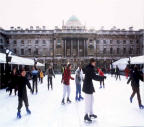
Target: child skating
{"x": 22, "y": 93}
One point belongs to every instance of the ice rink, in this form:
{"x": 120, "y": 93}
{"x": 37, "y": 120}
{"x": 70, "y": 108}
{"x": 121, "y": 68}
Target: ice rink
{"x": 111, "y": 105}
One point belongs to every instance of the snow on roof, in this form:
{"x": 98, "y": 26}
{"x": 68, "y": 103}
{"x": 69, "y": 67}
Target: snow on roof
{"x": 122, "y": 63}
{"x": 18, "y": 60}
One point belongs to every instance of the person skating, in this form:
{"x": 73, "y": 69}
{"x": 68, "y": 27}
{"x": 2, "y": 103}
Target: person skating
{"x": 78, "y": 81}
{"x": 101, "y": 74}
{"x": 13, "y": 82}
{"x": 88, "y": 89}
{"x": 50, "y": 74}
{"x": 34, "y": 79}
{"x": 135, "y": 77}
{"x": 117, "y": 73}
{"x": 127, "y": 72}
{"x": 66, "y": 84}
{"x": 22, "y": 93}
{"x": 41, "y": 76}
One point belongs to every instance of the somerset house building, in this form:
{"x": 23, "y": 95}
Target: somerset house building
{"x": 73, "y": 43}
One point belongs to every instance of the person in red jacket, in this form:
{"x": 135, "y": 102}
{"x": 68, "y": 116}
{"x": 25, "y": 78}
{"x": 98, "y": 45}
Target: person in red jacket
{"x": 101, "y": 74}
{"x": 66, "y": 83}
{"x": 127, "y": 71}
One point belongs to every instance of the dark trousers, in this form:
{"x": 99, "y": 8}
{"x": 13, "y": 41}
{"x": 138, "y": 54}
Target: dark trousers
{"x": 50, "y": 82}
{"x": 11, "y": 91}
{"x": 102, "y": 82}
{"x": 41, "y": 79}
{"x": 118, "y": 76}
{"x": 78, "y": 90}
{"x": 136, "y": 91}
{"x": 20, "y": 102}
{"x": 35, "y": 85}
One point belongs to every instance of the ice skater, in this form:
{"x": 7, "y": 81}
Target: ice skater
{"x": 66, "y": 84}
{"x": 88, "y": 89}
{"x": 101, "y": 74}
{"x": 135, "y": 77}
{"x": 50, "y": 73}
{"x": 22, "y": 93}
{"x": 34, "y": 79}
{"x": 117, "y": 71}
{"x": 78, "y": 82}
{"x": 41, "y": 76}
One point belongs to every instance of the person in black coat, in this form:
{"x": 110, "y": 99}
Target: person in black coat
{"x": 88, "y": 89}
{"x": 135, "y": 77}
{"x": 22, "y": 93}
{"x": 117, "y": 73}
{"x": 13, "y": 81}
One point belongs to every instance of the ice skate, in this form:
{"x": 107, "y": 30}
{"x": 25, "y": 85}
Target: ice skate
{"x": 93, "y": 116}
{"x": 63, "y": 102}
{"x": 28, "y": 111}
{"x": 18, "y": 115}
{"x": 87, "y": 119}
{"x": 68, "y": 100}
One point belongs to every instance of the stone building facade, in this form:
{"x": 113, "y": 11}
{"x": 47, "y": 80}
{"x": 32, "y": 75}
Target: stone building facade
{"x": 73, "y": 43}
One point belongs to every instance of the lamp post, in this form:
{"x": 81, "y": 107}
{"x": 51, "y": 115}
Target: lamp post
{"x": 8, "y": 59}
{"x": 129, "y": 61}
{"x": 35, "y": 61}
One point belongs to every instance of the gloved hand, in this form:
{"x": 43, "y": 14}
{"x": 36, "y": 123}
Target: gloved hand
{"x": 105, "y": 77}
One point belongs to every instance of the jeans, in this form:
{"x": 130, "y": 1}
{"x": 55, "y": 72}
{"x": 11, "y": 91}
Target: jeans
{"x": 78, "y": 90}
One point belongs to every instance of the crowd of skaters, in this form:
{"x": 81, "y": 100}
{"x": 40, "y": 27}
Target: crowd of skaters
{"x": 20, "y": 79}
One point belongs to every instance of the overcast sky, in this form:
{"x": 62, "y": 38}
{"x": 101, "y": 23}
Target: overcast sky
{"x": 93, "y": 13}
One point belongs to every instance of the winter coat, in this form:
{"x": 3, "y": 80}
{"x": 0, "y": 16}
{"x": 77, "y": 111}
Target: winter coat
{"x": 14, "y": 81}
{"x": 41, "y": 74}
{"x": 135, "y": 77}
{"x": 67, "y": 76}
{"x": 78, "y": 76}
{"x": 117, "y": 71}
{"x": 50, "y": 72}
{"x": 100, "y": 72}
{"x": 90, "y": 75}
{"x": 34, "y": 74}
{"x": 23, "y": 81}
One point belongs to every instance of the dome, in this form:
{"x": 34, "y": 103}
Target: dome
{"x": 73, "y": 22}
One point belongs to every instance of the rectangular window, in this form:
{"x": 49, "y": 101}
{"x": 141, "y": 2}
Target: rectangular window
{"x": 22, "y": 51}
{"x": 36, "y": 42}
{"x": 104, "y": 41}
{"x": 15, "y": 51}
{"x": 29, "y": 51}
{"x": 97, "y": 41}
{"x": 124, "y": 50}
{"x": 117, "y": 50}
{"x": 111, "y": 50}
{"x": 124, "y": 41}
{"x": 22, "y": 42}
{"x": 111, "y": 41}
{"x": 118, "y": 41}
{"x": 36, "y": 51}
{"x": 14, "y": 42}
{"x": 44, "y": 42}
{"x": 104, "y": 51}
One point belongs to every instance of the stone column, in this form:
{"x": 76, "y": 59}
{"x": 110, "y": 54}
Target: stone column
{"x": 54, "y": 47}
{"x": 65, "y": 54}
{"x": 84, "y": 48}
{"x": 78, "y": 49}
{"x": 71, "y": 48}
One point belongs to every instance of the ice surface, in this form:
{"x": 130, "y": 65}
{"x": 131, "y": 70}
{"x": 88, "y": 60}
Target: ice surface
{"x": 111, "y": 105}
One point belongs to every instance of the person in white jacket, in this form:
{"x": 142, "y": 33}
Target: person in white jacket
{"x": 78, "y": 81}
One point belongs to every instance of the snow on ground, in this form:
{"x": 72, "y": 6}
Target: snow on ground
{"x": 111, "y": 105}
